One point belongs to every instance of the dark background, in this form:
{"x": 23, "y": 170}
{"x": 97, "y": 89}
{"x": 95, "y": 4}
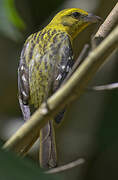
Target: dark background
{"x": 90, "y": 126}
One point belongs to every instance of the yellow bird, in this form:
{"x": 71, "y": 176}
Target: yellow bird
{"x": 46, "y": 59}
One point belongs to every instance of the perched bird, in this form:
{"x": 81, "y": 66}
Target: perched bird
{"x": 46, "y": 59}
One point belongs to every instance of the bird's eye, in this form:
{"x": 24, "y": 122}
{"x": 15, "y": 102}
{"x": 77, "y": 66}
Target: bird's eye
{"x": 76, "y": 14}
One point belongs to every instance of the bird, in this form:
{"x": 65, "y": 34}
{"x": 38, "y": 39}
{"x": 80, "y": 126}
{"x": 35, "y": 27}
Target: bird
{"x": 46, "y": 59}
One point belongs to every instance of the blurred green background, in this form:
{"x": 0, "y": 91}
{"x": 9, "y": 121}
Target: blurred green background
{"x": 90, "y": 127}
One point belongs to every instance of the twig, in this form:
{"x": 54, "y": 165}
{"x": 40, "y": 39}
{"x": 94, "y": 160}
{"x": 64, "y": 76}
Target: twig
{"x": 83, "y": 55}
{"x": 107, "y": 87}
{"x": 72, "y": 90}
{"x": 66, "y": 167}
{"x": 106, "y": 27}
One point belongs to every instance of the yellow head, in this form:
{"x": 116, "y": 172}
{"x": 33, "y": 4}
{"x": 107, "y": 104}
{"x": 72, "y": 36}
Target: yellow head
{"x": 73, "y": 21}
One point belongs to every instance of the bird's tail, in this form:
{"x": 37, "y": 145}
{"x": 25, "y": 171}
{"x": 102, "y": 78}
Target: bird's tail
{"x": 48, "y": 154}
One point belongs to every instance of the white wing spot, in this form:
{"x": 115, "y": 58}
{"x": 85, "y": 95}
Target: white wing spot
{"x": 22, "y": 67}
{"x": 23, "y": 78}
{"x": 63, "y": 67}
{"x": 23, "y": 92}
{"x": 67, "y": 69}
{"x": 59, "y": 77}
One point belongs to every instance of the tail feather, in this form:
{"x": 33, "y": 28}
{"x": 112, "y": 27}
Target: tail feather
{"x": 48, "y": 154}
{"x": 48, "y": 157}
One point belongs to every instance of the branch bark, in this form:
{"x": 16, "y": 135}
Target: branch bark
{"x": 106, "y": 27}
{"x": 109, "y": 23}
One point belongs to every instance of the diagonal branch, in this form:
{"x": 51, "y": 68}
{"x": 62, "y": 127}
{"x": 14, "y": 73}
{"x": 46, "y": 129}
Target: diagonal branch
{"x": 106, "y": 27}
{"x": 69, "y": 92}
{"x": 103, "y": 31}
{"x": 109, "y": 23}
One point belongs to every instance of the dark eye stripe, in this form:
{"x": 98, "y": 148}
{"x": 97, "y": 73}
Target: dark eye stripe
{"x": 76, "y": 14}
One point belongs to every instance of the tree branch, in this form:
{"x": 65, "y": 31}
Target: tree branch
{"x": 72, "y": 90}
{"x": 106, "y": 27}
{"x": 103, "y": 31}
{"x": 66, "y": 167}
{"x": 107, "y": 87}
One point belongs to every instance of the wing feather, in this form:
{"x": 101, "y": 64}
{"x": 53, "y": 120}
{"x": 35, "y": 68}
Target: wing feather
{"x": 23, "y": 86}
{"x": 62, "y": 69}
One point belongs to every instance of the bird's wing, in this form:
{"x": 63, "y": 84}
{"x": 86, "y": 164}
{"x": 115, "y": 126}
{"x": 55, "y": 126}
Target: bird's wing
{"x": 65, "y": 63}
{"x": 23, "y": 85}
{"x": 63, "y": 68}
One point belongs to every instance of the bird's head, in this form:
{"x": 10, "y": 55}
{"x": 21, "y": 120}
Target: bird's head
{"x": 73, "y": 21}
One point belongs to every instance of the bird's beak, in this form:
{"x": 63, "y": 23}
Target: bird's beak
{"x": 91, "y": 18}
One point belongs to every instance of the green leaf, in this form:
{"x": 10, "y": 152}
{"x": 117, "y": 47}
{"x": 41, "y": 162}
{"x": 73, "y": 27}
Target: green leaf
{"x": 14, "y": 167}
{"x": 10, "y": 22}
{"x": 12, "y": 14}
